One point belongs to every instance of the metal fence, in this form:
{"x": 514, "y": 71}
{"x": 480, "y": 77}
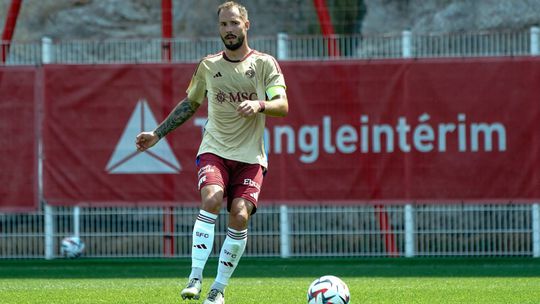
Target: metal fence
{"x": 284, "y": 231}
{"x": 283, "y": 46}
{"x": 281, "y": 231}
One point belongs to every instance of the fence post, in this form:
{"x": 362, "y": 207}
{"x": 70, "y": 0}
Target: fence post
{"x": 282, "y": 46}
{"x": 406, "y": 44}
{"x": 46, "y": 57}
{"x": 76, "y": 220}
{"x": 284, "y": 232}
{"x": 536, "y": 229}
{"x": 409, "y": 231}
{"x": 49, "y": 233}
{"x": 535, "y": 40}
{"x": 46, "y": 50}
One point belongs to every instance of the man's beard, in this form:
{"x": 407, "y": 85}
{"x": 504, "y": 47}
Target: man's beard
{"x": 234, "y": 46}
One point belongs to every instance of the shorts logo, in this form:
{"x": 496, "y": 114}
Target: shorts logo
{"x": 255, "y": 195}
{"x": 202, "y": 176}
{"x": 201, "y": 181}
{"x": 251, "y": 183}
{"x": 205, "y": 169}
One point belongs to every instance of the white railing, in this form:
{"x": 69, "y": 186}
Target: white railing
{"x": 504, "y": 43}
{"x": 285, "y": 231}
{"x": 287, "y": 47}
{"x": 432, "y": 230}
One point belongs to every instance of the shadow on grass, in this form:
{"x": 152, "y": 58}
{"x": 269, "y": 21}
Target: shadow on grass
{"x": 275, "y": 268}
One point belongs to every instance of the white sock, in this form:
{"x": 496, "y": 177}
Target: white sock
{"x": 231, "y": 252}
{"x": 203, "y": 240}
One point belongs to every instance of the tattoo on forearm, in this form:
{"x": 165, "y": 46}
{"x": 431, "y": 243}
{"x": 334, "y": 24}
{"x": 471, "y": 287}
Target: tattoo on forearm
{"x": 182, "y": 112}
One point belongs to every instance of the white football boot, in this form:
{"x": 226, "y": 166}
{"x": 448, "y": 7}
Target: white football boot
{"x": 192, "y": 290}
{"x": 215, "y": 296}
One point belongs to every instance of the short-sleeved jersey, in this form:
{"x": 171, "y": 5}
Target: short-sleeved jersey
{"x": 226, "y": 84}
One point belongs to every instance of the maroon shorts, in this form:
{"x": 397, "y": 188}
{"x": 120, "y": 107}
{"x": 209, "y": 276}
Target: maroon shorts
{"x": 238, "y": 179}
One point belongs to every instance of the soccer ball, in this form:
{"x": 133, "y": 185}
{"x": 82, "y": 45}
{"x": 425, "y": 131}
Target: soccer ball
{"x": 71, "y": 247}
{"x": 328, "y": 289}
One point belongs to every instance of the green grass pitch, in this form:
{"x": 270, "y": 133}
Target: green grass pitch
{"x": 391, "y": 280}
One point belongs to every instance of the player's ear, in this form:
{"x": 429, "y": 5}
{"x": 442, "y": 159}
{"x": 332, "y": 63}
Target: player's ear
{"x": 247, "y": 25}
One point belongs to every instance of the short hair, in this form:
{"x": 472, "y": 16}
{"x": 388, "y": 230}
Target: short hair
{"x": 230, "y": 4}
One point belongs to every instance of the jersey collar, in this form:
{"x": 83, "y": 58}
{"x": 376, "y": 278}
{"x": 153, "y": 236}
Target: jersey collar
{"x": 230, "y": 60}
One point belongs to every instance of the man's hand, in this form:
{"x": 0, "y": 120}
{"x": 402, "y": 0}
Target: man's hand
{"x": 146, "y": 140}
{"x": 248, "y": 108}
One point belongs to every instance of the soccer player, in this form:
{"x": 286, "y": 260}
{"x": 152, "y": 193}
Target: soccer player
{"x": 242, "y": 87}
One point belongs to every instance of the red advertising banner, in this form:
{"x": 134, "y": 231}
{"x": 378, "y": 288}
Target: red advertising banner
{"x": 358, "y": 132}
{"x": 18, "y": 157}
{"x": 422, "y": 130}
{"x": 92, "y": 116}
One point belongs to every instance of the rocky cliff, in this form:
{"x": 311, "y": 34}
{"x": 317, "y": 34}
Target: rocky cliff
{"x": 102, "y": 19}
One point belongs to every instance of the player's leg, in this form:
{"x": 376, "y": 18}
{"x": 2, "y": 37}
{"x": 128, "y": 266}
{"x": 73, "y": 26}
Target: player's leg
{"x": 203, "y": 238}
{"x": 232, "y": 249}
{"x": 245, "y": 188}
{"x": 204, "y": 229}
{"x": 235, "y": 241}
{"x": 211, "y": 188}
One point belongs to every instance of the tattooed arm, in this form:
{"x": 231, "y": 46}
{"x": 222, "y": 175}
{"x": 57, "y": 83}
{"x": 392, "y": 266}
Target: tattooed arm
{"x": 181, "y": 113}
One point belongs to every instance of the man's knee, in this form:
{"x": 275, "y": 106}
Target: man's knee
{"x": 240, "y": 213}
{"x": 212, "y": 198}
